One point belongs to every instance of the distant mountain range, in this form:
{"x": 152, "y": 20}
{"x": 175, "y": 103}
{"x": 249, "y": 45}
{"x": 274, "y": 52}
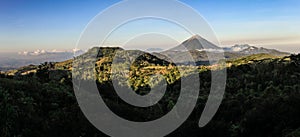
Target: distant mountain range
{"x": 51, "y": 52}
{"x": 200, "y": 44}
{"x": 14, "y": 61}
{"x": 196, "y": 46}
{"x": 250, "y": 50}
{"x": 151, "y": 50}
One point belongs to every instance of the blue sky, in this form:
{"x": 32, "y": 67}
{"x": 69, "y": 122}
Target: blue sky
{"x": 57, "y": 24}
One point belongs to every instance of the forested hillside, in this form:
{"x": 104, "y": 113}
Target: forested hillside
{"x": 262, "y": 98}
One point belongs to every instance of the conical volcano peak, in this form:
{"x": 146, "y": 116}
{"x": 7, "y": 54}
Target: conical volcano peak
{"x": 196, "y": 37}
{"x": 197, "y": 42}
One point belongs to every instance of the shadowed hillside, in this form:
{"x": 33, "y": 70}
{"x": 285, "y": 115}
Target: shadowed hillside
{"x": 262, "y": 97}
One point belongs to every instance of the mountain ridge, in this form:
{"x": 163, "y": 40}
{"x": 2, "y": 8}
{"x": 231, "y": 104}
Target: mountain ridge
{"x": 196, "y": 46}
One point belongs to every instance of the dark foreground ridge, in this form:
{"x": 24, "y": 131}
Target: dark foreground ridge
{"x": 262, "y": 98}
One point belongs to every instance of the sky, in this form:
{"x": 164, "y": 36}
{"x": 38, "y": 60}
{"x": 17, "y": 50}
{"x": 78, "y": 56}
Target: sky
{"x": 57, "y": 24}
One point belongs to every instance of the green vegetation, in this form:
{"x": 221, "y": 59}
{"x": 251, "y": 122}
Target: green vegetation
{"x": 252, "y": 58}
{"x": 262, "y": 97}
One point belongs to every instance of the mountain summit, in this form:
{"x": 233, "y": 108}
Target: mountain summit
{"x": 196, "y": 42}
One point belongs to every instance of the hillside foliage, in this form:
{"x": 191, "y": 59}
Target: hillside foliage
{"x": 262, "y": 97}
